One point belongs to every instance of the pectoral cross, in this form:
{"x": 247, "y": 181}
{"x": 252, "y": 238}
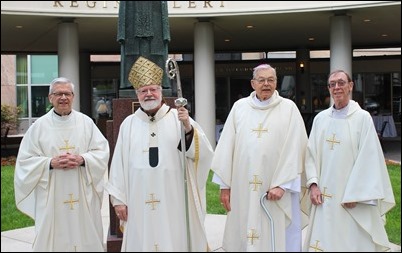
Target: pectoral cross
{"x": 156, "y": 247}
{"x": 255, "y": 182}
{"x": 315, "y": 247}
{"x": 332, "y": 141}
{"x": 67, "y": 147}
{"x": 259, "y": 130}
{"x": 152, "y": 201}
{"x": 71, "y": 201}
{"x": 252, "y": 235}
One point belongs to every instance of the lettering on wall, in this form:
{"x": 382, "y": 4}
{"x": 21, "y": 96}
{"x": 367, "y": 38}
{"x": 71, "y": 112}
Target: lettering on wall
{"x": 115, "y": 4}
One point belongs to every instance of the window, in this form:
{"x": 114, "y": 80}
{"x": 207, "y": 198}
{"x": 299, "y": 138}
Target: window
{"x": 33, "y": 76}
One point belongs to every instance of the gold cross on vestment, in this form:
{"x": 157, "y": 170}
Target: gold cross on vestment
{"x": 259, "y": 130}
{"x": 156, "y": 247}
{"x": 252, "y": 235}
{"x": 67, "y": 147}
{"x": 71, "y": 201}
{"x": 332, "y": 141}
{"x": 152, "y": 201}
{"x": 326, "y": 195}
{"x": 255, "y": 182}
{"x": 315, "y": 247}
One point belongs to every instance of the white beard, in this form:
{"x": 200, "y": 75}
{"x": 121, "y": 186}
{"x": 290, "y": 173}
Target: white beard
{"x": 150, "y": 104}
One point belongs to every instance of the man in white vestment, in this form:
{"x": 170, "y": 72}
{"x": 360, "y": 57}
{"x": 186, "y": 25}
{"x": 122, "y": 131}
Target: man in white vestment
{"x": 347, "y": 177}
{"x": 59, "y": 176}
{"x": 261, "y": 150}
{"x": 146, "y": 182}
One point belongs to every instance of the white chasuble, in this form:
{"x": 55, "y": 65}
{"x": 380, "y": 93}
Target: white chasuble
{"x": 344, "y": 158}
{"x": 155, "y": 195}
{"x": 65, "y": 204}
{"x": 261, "y": 147}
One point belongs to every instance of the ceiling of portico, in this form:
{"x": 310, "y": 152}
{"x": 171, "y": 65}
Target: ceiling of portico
{"x": 271, "y": 32}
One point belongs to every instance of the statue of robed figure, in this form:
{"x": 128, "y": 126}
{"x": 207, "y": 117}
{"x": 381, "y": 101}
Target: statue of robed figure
{"x": 143, "y": 31}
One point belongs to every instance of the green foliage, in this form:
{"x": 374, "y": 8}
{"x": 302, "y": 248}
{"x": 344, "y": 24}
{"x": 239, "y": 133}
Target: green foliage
{"x": 393, "y": 217}
{"x": 9, "y": 117}
{"x": 213, "y": 200}
{"x": 11, "y": 217}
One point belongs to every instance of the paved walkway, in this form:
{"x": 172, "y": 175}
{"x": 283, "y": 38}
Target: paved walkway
{"x": 20, "y": 240}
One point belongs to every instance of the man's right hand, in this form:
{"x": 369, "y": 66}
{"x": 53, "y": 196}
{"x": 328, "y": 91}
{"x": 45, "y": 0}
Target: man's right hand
{"x": 315, "y": 194}
{"x": 121, "y": 212}
{"x": 225, "y": 199}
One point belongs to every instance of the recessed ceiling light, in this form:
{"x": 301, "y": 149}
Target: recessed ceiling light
{"x": 227, "y": 40}
{"x": 249, "y": 26}
{"x": 366, "y": 20}
{"x": 18, "y": 26}
{"x": 311, "y": 39}
{"x": 384, "y": 35}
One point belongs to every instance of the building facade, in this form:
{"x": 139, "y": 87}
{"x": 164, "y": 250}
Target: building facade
{"x": 216, "y": 44}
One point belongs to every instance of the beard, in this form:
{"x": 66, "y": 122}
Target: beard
{"x": 150, "y": 104}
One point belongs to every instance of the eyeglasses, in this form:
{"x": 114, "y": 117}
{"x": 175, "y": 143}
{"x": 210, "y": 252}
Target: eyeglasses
{"x": 60, "y": 94}
{"x": 145, "y": 91}
{"x": 340, "y": 83}
{"x": 263, "y": 80}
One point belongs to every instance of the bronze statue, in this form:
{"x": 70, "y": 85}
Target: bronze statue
{"x": 143, "y": 31}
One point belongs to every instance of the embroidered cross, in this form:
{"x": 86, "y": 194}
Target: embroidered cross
{"x": 332, "y": 141}
{"x": 67, "y": 147}
{"x": 153, "y": 134}
{"x": 252, "y": 235}
{"x": 326, "y": 195}
{"x": 255, "y": 182}
{"x": 71, "y": 201}
{"x": 259, "y": 130}
{"x": 152, "y": 201}
{"x": 315, "y": 247}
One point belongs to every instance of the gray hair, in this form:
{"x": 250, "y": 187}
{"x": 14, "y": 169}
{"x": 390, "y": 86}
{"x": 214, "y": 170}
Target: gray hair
{"x": 60, "y": 80}
{"x": 262, "y": 66}
{"x": 340, "y": 71}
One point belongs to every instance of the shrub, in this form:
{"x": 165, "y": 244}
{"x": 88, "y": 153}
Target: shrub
{"x": 9, "y": 117}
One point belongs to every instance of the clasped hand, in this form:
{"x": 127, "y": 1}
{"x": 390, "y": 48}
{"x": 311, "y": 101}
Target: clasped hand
{"x": 66, "y": 161}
